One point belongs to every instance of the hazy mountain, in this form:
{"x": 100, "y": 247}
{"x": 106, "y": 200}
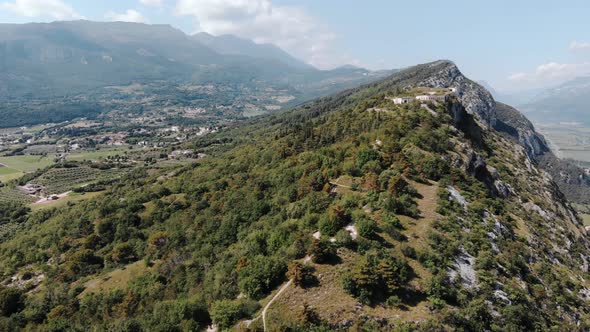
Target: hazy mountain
{"x": 64, "y": 57}
{"x": 567, "y": 102}
{"x": 83, "y": 60}
{"x": 511, "y": 98}
{"x": 233, "y": 45}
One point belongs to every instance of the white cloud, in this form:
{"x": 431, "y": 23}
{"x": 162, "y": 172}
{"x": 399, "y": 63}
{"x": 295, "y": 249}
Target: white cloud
{"x": 155, "y": 3}
{"x": 55, "y": 9}
{"x": 579, "y": 46}
{"x": 130, "y": 15}
{"x": 552, "y": 73}
{"x": 263, "y": 21}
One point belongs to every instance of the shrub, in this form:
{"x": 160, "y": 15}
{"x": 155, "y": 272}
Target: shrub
{"x": 226, "y": 313}
{"x": 11, "y": 301}
{"x": 408, "y": 251}
{"x": 366, "y": 228}
{"x": 393, "y": 301}
{"x": 261, "y": 275}
{"x": 376, "y": 276}
{"x": 302, "y": 275}
{"x": 122, "y": 253}
{"x": 322, "y": 251}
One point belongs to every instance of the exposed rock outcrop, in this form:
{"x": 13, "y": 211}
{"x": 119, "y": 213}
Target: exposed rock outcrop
{"x": 571, "y": 179}
{"x": 476, "y": 99}
{"x": 510, "y": 121}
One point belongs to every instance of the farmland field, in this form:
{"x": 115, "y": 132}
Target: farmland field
{"x": 7, "y": 174}
{"x": 568, "y": 140}
{"x": 13, "y": 195}
{"x": 60, "y": 180}
{"x": 16, "y": 166}
{"x": 96, "y": 155}
{"x": 26, "y": 163}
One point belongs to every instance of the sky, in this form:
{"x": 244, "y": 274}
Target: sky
{"x": 513, "y": 45}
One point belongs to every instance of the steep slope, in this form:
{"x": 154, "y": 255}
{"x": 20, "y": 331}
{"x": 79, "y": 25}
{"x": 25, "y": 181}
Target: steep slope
{"x": 573, "y": 181}
{"x": 384, "y": 217}
{"x": 514, "y": 123}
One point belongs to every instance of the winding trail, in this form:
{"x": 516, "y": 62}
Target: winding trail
{"x": 284, "y": 288}
{"x": 272, "y": 300}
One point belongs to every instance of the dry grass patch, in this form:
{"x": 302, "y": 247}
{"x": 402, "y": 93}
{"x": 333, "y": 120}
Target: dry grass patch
{"x": 417, "y": 229}
{"x": 333, "y": 304}
{"x": 115, "y": 279}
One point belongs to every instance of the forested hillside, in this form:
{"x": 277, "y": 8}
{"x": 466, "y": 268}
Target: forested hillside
{"x": 370, "y": 215}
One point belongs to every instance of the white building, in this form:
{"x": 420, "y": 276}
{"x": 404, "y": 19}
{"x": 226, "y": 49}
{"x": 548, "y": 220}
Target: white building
{"x": 430, "y": 97}
{"x": 401, "y": 100}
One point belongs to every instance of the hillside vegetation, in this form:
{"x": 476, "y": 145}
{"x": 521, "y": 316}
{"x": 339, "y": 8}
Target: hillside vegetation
{"x": 384, "y": 217}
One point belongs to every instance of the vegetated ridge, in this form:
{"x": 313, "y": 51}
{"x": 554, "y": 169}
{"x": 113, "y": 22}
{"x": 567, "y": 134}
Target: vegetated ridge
{"x": 414, "y": 217}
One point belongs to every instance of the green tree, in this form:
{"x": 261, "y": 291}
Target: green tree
{"x": 11, "y": 301}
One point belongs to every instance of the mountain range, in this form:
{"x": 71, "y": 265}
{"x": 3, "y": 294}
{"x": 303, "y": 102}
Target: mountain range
{"x": 63, "y": 58}
{"x": 232, "y": 45}
{"x": 53, "y": 72}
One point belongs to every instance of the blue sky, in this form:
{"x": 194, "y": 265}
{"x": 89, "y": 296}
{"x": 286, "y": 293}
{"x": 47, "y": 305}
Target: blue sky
{"x": 513, "y": 45}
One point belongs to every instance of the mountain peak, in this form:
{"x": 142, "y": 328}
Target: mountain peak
{"x": 446, "y": 74}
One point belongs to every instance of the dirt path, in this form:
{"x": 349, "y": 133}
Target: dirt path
{"x": 340, "y": 185}
{"x": 272, "y": 300}
{"x": 47, "y": 200}
{"x": 267, "y": 306}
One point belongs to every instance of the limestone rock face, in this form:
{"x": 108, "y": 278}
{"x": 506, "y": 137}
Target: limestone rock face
{"x": 476, "y": 99}
{"x": 512, "y": 122}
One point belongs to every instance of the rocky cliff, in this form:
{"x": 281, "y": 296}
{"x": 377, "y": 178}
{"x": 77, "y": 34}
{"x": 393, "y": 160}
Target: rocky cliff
{"x": 476, "y": 99}
{"x": 515, "y": 124}
{"x": 571, "y": 179}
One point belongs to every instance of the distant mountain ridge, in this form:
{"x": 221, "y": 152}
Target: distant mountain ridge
{"x": 233, "y": 45}
{"x": 61, "y": 58}
{"x": 567, "y": 102}
{"x": 69, "y": 69}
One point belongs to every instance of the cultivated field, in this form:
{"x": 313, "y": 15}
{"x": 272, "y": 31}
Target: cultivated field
{"x": 13, "y": 167}
{"x": 60, "y": 180}
{"x": 7, "y": 174}
{"x": 26, "y": 163}
{"x": 14, "y": 195}
{"x": 568, "y": 140}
